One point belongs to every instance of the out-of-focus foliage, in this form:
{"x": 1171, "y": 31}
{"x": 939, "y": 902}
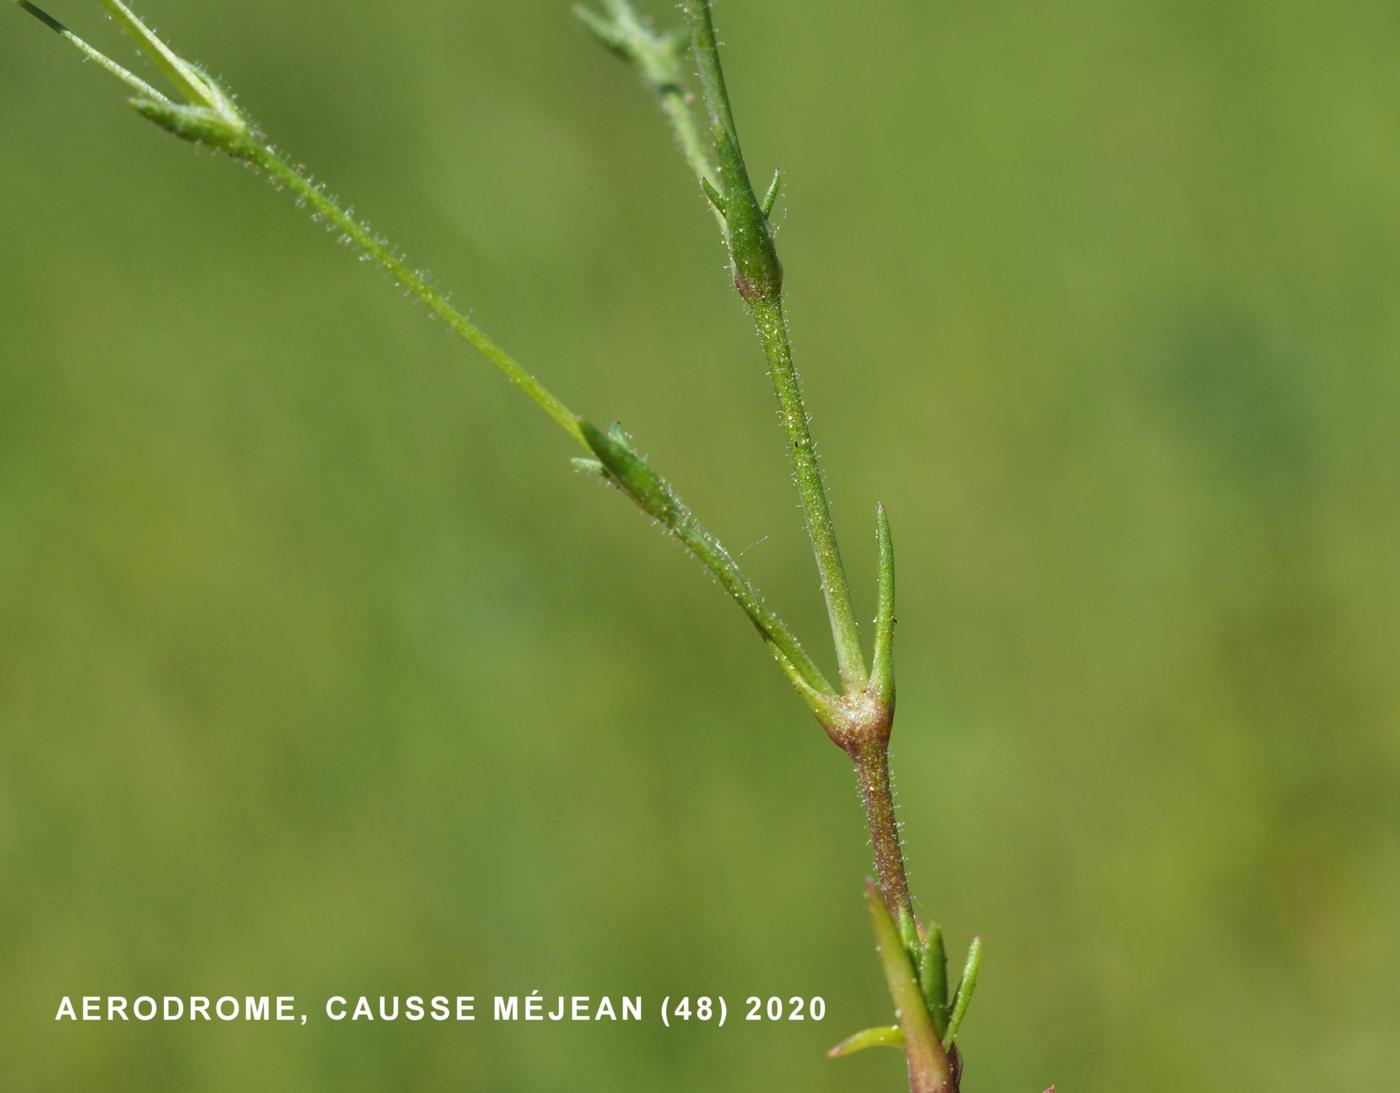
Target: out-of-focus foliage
{"x": 320, "y": 672}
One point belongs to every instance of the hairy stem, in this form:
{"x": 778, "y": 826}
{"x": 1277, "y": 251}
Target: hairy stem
{"x": 877, "y": 795}
{"x": 657, "y": 60}
{"x": 208, "y": 116}
{"x": 758, "y": 277}
{"x": 860, "y": 717}
{"x": 675, "y": 105}
{"x": 677, "y": 518}
{"x": 621, "y": 464}
{"x": 772, "y": 331}
{"x": 697, "y": 539}
{"x": 283, "y": 172}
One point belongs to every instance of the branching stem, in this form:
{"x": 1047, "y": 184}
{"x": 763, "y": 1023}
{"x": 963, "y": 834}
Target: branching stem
{"x": 673, "y": 514}
{"x": 858, "y": 716}
{"x": 758, "y": 277}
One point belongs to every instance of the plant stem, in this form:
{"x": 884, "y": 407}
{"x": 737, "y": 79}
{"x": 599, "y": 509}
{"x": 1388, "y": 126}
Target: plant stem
{"x": 626, "y": 469}
{"x": 801, "y": 670}
{"x": 657, "y": 60}
{"x": 758, "y": 277}
{"x": 672, "y": 98}
{"x": 859, "y": 718}
{"x": 877, "y": 795}
{"x": 209, "y": 117}
{"x": 280, "y": 170}
{"x": 821, "y": 531}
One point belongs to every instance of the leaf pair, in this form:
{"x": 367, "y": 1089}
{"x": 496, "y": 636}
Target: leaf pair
{"x": 917, "y": 977}
{"x": 203, "y": 112}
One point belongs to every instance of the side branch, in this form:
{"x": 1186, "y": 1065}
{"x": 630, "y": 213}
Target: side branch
{"x": 758, "y": 276}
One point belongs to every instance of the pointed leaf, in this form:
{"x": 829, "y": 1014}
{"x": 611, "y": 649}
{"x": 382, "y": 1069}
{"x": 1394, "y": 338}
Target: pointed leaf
{"x": 963, "y": 998}
{"x": 192, "y": 86}
{"x": 881, "y": 1036}
{"x": 933, "y": 977}
{"x": 882, "y": 668}
{"x": 929, "y": 1069}
{"x": 714, "y": 195}
{"x": 771, "y": 197}
{"x": 140, "y": 86}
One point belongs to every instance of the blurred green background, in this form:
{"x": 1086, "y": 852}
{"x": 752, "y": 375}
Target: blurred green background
{"x": 321, "y": 672}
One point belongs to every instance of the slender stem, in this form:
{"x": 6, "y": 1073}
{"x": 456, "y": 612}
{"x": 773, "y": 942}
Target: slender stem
{"x": 858, "y": 720}
{"x": 463, "y": 327}
{"x": 657, "y": 60}
{"x": 697, "y": 539}
{"x": 621, "y": 463}
{"x": 861, "y": 721}
{"x": 873, "y": 773}
{"x": 758, "y": 277}
{"x": 796, "y": 663}
{"x": 772, "y": 330}
{"x": 702, "y": 29}
{"x": 674, "y": 105}
{"x": 748, "y": 235}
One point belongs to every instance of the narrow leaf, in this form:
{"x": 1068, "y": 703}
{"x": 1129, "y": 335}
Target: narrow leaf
{"x": 963, "y": 998}
{"x": 590, "y": 467}
{"x": 140, "y": 86}
{"x": 881, "y": 1036}
{"x": 882, "y": 674}
{"x": 771, "y": 197}
{"x": 714, "y": 195}
{"x": 181, "y": 73}
{"x": 929, "y": 1069}
{"x": 933, "y": 977}
{"x": 909, "y": 934}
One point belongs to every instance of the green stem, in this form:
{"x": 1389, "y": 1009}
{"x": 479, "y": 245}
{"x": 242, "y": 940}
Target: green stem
{"x": 283, "y": 172}
{"x": 672, "y": 99}
{"x": 657, "y": 59}
{"x": 673, "y": 514}
{"x": 757, "y": 272}
{"x": 772, "y": 331}
{"x": 758, "y": 277}
{"x": 792, "y": 657}
{"x": 702, "y": 29}
{"x": 623, "y": 466}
